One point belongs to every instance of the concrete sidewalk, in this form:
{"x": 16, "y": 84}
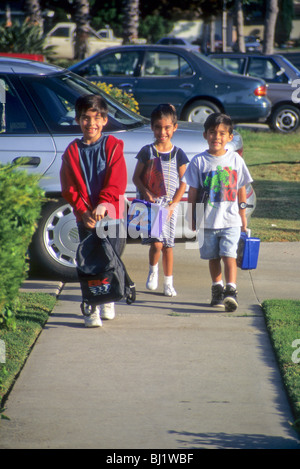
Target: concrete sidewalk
{"x": 167, "y": 373}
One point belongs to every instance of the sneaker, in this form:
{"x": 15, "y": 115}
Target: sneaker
{"x": 169, "y": 290}
{"x": 230, "y": 299}
{"x": 91, "y": 315}
{"x": 152, "y": 281}
{"x": 217, "y": 296}
{"x": 107, "y": 311}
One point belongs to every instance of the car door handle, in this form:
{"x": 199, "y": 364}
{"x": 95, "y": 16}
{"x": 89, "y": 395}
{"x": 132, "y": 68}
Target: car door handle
{"x": 186, "y": 85}
{"x": 27, "y": 161}
{"x": 126, "y": 85}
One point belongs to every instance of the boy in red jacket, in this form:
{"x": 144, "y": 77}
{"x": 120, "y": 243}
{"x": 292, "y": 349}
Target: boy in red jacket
{"x": 93, "y": 179}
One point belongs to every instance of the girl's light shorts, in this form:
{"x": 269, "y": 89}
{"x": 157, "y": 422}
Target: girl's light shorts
{"x": 220, "y": 243}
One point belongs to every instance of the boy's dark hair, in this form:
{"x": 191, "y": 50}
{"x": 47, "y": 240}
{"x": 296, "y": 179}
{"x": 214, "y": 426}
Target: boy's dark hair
{"x": 216, "y": 119}
{"x": 164, "y": 110}
{"x": 93, "y": 102}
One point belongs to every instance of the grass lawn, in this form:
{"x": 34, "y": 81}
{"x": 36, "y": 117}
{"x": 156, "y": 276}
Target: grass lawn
{"x": 274, "y": 163}
{"x": 282, "y": 318}
{"x": 31, "y": 316}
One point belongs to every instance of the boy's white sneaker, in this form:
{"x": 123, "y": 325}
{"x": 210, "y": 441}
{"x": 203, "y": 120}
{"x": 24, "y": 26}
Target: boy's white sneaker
{"x": 107, "y": 311}
{"x": 152, "y": 281}
{"x": 169, "y": 290}
{"x": 91, "y": 316}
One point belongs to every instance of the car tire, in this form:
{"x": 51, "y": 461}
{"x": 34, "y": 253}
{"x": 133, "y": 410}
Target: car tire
{"x": 54, "y": 244}
{"x": 285, "y": 119}
{"x": 199, "y": 110}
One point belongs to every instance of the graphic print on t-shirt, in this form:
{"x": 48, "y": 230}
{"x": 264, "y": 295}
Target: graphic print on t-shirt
{"x": 221, "y": 184}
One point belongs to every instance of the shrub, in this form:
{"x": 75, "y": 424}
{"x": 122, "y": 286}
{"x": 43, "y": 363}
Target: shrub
{"x": 20, "y": 205}
{"x": 126, "y": 99}
{"x": 24, "y": 38}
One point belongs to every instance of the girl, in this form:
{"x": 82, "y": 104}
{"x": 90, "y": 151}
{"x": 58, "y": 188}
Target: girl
{"x": 170, "y": 165}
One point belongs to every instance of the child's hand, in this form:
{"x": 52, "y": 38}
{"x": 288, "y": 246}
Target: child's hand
{"x": 148, "y": 196}
{"x": 171, "y": 209}
{"x": 88, "y": 220}
{"x": 244, "y": 224}
{"x": 99, "y": 212}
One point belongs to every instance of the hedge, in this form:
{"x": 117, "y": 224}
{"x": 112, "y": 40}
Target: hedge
{"x": 20, "y": 206}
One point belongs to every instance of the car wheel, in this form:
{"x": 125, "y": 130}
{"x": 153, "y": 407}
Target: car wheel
{"x": 199, "y": 110}
{"x": 54, "y": 244}
{"x": 285, "y": 119}
{"x": 53, "y": 247}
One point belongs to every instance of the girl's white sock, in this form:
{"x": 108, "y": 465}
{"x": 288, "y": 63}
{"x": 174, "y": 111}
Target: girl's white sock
{"x": 168, "y": 280}
{"x": 153, "y": 268}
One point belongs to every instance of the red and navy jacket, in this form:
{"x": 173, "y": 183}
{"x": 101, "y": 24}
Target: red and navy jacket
{"x": 74, "y": 186}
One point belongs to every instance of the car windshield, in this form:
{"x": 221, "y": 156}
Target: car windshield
{"x": 62, "y": 91}
{"x": 295, "y": 69}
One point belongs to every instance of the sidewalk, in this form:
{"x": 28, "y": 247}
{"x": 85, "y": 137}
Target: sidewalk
{"x": 167, "y": 373}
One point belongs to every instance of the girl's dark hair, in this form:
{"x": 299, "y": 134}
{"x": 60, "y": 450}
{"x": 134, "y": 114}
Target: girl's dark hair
{"x": 93, "y": 102}
{"x": 216, "y": 119}
{"x": 164, "y": 110}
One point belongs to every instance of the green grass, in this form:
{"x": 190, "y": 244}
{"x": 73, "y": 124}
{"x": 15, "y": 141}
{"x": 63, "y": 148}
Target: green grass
{"x": 31, "y": 316}
{"x": 282, "y": 318}
{"x": 274, "y": 163}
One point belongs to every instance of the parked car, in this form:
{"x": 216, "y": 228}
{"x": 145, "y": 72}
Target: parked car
{"x": 37, "y": 123}
{"x": 177, "y": 41}
{"x": 279, "y": 75}
{"x": 195, "y": 85}
{"x": 252, "y": 44}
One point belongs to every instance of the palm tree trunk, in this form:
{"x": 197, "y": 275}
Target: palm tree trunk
{"x": 34, "y": 13}
{"x": 82, "y": 20}
{"x": 131, "y": 21}
{"x": 270, "y": 22}
{"x": 240, "y": 25}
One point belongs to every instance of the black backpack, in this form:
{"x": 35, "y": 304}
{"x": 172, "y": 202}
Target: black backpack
{"x": 102, "y": 274}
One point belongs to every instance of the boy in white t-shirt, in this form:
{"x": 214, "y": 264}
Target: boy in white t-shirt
{"x": 223, "y": 175}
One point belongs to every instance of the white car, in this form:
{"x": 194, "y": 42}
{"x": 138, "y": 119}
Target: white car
{"x": 37, "y": 105}
{"x": 62, "y": 37}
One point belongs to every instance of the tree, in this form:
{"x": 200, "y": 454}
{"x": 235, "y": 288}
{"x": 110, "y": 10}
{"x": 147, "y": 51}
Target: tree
{"x": 131, "y": 21}
{"x": 240, "y": 25}
{"x": 82, "y": 20}
{"x": 284, "y": 22}
{"x": 34, "y": 13}
{"x": 270, "y": 22}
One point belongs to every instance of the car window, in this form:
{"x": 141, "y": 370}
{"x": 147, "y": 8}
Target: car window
{"x": 60, "y": 32}
{"x": 14, "y": 118}
{"x": 115, "y": 64}
{"x": 55, "y": 98}
{"x": 266, "y": 69}
{"x": 165, "y": 64}
{"x": 233, "y": 65}
{"x": 172, "y": 41}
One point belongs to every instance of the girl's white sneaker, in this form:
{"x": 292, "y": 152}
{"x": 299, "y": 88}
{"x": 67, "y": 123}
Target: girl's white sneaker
{"x": 169, "y": 290}
{"x": 152, "y": 281}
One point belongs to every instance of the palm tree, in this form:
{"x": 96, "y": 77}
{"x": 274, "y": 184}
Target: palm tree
{"x": 82, "y": 20}
{"x": 240, "y": 25}
{"x": 131, "y": 21}
{"x": 34, "y": 13}
{"x": 270, "y": 22}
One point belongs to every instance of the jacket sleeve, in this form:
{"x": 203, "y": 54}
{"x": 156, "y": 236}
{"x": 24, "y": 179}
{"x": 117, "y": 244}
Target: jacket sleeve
{"x": 70, "y": 183}
{"x": 115, "y": 182}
